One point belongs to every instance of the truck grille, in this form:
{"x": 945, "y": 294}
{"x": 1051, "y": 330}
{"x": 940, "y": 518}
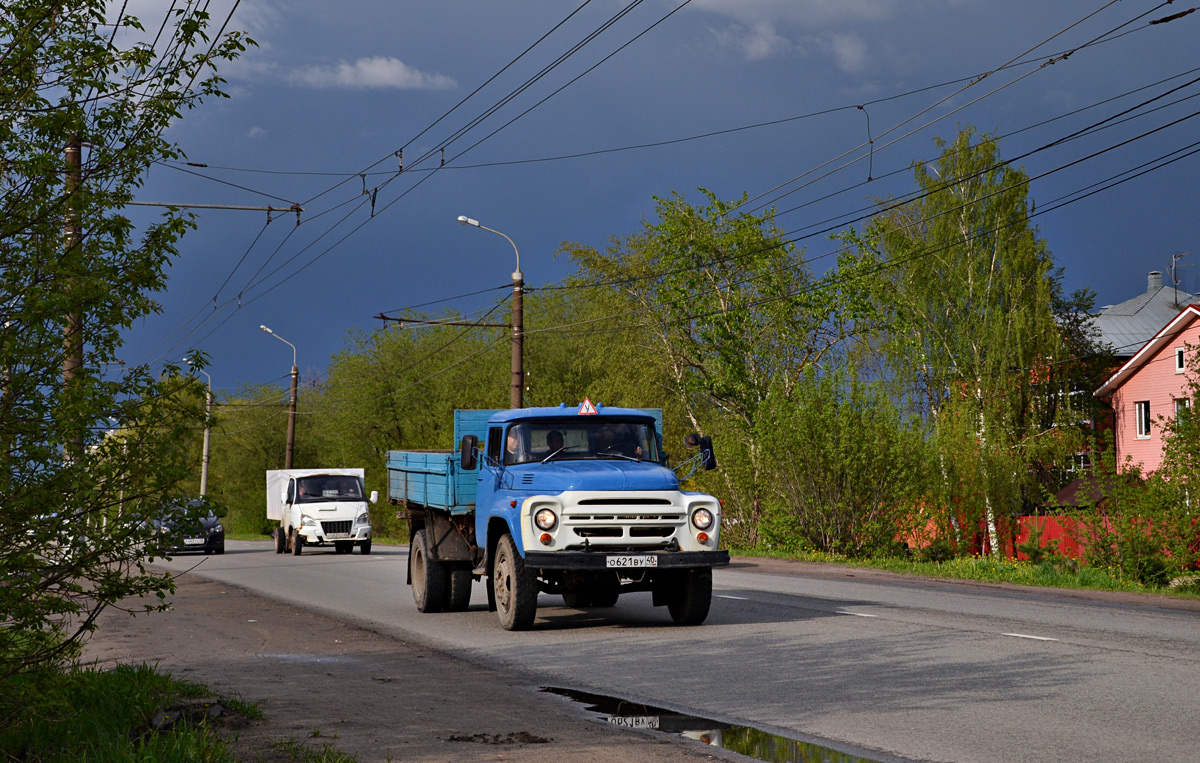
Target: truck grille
{"x": 628, "y": 521}
{"x": 336, "y": 527}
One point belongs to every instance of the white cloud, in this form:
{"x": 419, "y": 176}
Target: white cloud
{"x": 850, "y": 52}
{"x": 374, "y": 72}
{"x": 756, "y": 43}
{"x": 255, "y": 132}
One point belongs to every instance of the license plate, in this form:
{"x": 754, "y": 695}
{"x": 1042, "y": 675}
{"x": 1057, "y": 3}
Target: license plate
{"x": 193, "y": 541}
{"x": 635, "y": 721}
{"x": 630, "y": 562}
{"x": 337, "y": 535}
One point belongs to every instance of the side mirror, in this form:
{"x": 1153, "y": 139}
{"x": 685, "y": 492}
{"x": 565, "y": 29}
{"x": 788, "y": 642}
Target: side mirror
{"x": 691, "y": 440}
{"x": 710, "y": 457}
{"x": 374, "y": 496}
{"x": 469, "y": 457}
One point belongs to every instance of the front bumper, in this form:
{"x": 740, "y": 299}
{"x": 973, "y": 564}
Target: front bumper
{"x": 598, "y": 560}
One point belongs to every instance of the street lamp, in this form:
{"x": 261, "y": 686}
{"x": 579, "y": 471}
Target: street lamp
{"x": 518, "y": 355}
{"x": 291, "y": 430}
{"x": 207, "y": 428}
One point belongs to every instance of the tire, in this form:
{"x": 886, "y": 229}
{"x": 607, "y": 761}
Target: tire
{"x": 297, "y": 543}
{"x": 342, "y": 547}
{"x": 692, "y": 597}
{"x": 429, "y": 582}
{"x": 363, "y": 548}
{"x": 515, "y": 587}
{"x": 280, "y": 540}
{"x": 219, "y": 549}
{"x": 459, "y": 596}
{"x": 605, "y": 597}
{"x": 577, "y": 600}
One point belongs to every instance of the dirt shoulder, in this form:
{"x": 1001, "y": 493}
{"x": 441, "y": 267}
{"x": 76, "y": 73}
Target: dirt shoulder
{"x": 323, "y": 682}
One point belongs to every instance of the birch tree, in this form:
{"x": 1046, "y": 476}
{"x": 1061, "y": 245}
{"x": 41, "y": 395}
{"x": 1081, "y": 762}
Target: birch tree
{"x": 974, "y": 342}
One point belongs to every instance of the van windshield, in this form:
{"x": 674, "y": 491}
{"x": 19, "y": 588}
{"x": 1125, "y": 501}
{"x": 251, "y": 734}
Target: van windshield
{"x": 580, "y": 438}
{"x": 328, "y": 487}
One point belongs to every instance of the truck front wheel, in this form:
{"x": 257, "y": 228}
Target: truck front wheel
{"x": 428, "y": 576}
{"x": 692, "y": 597}
{"x": 515, "y": 587}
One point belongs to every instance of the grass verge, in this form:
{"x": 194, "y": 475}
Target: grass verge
{"x": 1056, "y": 572}
{"x": 117, "y": 715}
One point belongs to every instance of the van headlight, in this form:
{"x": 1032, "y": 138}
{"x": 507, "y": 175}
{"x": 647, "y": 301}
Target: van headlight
{"x": 545, "y": 519}
{"x": 363, "y": 519}
{"x": 702, "y": 519}
{"x": 307, "y": 521}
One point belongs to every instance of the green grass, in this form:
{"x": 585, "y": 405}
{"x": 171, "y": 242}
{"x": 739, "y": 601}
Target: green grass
{"x": 302, "y": 753}
{"x": 1052, "y": 573}
{"x": 102, "y": 716}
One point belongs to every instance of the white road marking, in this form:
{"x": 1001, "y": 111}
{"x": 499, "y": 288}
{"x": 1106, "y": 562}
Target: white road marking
{"x": 1025, "y": 635}
{"x": 723, "y": 596}
{"x": 856, "y": 614}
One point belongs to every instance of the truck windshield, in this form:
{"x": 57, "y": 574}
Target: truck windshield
{"x": 580, "y": 438}
{"x": 328, "y": 487}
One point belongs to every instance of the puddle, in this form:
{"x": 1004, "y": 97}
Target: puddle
{"x": 744, "y": 740}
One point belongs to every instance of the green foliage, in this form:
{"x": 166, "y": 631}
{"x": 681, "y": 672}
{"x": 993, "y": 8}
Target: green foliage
{"x": 846, "y": 467}
{"x": 70, "y": 483}
{"x": 104, "y": 716}
{"x": 973, "y": 340}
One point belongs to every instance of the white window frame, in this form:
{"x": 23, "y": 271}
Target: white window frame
{"x": 1141, "y": 416}
{"x": 1181, "y": 405}
{"x": 1180, "y": 363}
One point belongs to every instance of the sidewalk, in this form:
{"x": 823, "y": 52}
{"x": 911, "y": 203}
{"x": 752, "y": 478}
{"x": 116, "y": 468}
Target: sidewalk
{"x": 319, "y": 681}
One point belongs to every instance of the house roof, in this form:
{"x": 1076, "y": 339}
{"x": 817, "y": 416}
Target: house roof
{"x": 1127, "y": 326}
{"x": 1164, "y": 337}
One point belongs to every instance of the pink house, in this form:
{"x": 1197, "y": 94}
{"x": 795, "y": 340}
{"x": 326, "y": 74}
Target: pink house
{"x": 1151, "y": 386}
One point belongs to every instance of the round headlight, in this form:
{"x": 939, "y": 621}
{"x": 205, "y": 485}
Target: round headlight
{"x": 545, "y": 519}
{"x": 702, "y": 519}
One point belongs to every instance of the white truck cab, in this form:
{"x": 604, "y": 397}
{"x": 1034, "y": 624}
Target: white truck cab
{"x": 318, "y": 507}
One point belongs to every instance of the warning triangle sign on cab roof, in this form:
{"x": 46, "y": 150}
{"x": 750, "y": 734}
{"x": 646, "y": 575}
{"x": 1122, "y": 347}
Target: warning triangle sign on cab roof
{"x": 587, "y": 409}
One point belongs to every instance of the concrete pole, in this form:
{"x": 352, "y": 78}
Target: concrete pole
{"x": 517, "y": 398}
{"x": 291, "y": 430}
{"x": 207, "y": 436}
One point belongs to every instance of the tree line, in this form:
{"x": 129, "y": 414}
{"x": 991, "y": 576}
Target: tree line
{"x": 923, "y": 391}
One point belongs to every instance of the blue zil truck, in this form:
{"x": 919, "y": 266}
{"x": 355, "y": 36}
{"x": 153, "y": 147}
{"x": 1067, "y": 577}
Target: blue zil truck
{"x": 573, "y": 502}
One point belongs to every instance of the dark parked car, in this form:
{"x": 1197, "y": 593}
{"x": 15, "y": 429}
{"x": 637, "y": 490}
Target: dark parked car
{"x": 176, "y": 533}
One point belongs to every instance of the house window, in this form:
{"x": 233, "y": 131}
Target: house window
{"x": 1181, "y": 407}
{"x": 1179, "y": 364}
{"x": 1142, "y": 414}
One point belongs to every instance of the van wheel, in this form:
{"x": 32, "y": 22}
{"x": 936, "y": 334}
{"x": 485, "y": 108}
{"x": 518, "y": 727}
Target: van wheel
{"x": 363, "y": 548}
{"x": 280, "y": 540}
{"x": 428, "y": 577}
{"x": 515, "y": 586}
{"x": 297, "y": 543}
{"x": 692, "y": 596}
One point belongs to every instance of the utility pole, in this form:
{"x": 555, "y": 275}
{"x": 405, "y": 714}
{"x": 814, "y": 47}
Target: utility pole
{"x": 517, "y": 397}
{"x": 73, "y": 320}
{"x": 291, "y": 429}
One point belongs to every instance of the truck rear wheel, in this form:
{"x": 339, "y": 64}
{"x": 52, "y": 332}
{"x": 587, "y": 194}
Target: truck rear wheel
{"x": 692, "y": 597}
{"x": 460, "y": 586}
{"x": 515, "y": 587}
{"x": 428, "y": 576}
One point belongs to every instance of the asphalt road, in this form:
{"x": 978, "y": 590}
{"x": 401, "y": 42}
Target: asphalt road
{"x": 925, "y": 670}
